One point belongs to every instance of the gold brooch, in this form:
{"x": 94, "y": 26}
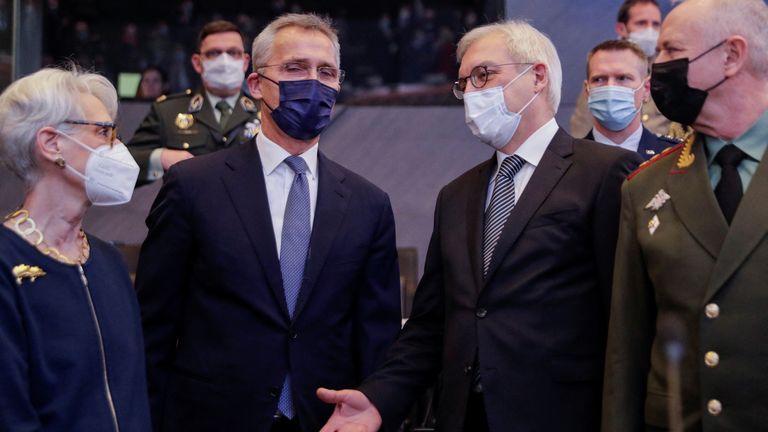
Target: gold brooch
{"x": 22, "y": 271}
{"x": 686, "y": 157}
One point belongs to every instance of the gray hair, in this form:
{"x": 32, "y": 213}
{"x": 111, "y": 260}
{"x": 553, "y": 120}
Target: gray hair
{"x": 261, "y": 49}
{"x": 48, "y": 97}
{"x": 747, "y": 18}
{"x": 525, "y": 44}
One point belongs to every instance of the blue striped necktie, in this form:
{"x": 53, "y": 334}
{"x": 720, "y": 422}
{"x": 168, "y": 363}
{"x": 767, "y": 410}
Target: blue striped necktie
{"x": 502, "y": 203}
{"x": 293, "y": 253}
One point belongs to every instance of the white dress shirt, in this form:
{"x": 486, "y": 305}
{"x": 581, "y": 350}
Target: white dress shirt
{"x": 278, "y": 177}
{"x": 631, "y": 143}
{"x": 532, "y": 150}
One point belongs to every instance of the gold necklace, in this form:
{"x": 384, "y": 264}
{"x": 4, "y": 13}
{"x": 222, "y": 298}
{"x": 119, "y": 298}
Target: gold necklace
{"x": 25, "y": 226}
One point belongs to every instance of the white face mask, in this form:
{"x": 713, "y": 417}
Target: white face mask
{"x": 646, "y": 39}
{"x": 487, "y": 116}
{"x": 110, "y": 173}
{"x": 224, "y": 72}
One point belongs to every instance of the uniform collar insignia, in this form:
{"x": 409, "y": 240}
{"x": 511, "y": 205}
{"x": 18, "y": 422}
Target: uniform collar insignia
{"x": 686, "y": 157}
{"x": 658, "y": 200}
{"x": 27, "y": 271}
{"x": 248, "y": 104}
{"x": 196, "y": 104}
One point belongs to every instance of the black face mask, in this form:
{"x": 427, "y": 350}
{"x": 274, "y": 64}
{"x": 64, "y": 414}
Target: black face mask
{"x": 671, "y": 93}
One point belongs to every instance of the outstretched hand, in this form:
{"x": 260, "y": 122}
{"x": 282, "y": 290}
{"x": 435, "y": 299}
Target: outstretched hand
{"x": 353, "y": 412}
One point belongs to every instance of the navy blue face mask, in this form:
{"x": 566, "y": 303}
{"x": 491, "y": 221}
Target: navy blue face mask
{"x": 304, "y": 109}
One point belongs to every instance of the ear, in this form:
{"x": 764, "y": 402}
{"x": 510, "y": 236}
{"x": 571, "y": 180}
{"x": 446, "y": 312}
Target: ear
{"x": 47, "y": 143}
{"x": 646, "y": 88}
{"x": 246, "y": 62}
{"x": 737, "y": 53}
{"x": 253, "y": 86}
{"x": 197, "y": 63}
{"x": 586, "y": 87}
{"x": 621, "y": 30}
{"x": 541, "y": 74}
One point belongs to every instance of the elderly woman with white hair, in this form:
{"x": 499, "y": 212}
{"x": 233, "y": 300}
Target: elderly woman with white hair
{"x": 71, "y": 348}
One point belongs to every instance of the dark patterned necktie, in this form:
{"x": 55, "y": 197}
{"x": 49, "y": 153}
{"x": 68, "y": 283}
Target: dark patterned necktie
{"x": 502, "y": 203}
{"x": 293, "y": 253}
{"x": 729, "y": 190}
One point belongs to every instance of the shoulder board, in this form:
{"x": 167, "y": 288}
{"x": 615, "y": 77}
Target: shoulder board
{"x": 667, "y": 151}
{"x": 164, "y": 98}
{"x": 670, "y": 139}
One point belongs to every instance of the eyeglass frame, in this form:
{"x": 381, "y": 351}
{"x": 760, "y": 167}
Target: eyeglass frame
{"x": 112, "y": 125}
{"x": 232, "y": 52}
{"x": 460, "y": 85}
{"x": 341, "y": 73}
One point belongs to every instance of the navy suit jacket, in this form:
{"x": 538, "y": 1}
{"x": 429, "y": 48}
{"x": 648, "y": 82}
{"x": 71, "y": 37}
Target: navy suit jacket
{"x": 650, "y": 145}
{"x": 537, "y": 321}
{"x": 219, "y": 339}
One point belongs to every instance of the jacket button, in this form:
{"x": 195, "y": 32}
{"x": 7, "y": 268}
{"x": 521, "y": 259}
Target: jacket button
{"x": 712, "y": 310}
{"x": 274, "y": 392}
{"x": 711, "y": 359}
{"x": 224, "y": 139}
{"x": 293, "y": 335}
{"x": 185, "y": 145}
{"x": 467, "y": 369}
{"x": 481, "y": 313}
{"x": 714, "y": 407}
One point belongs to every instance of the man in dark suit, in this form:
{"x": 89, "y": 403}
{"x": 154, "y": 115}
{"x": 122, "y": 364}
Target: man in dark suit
{"x": 692, "y": 255}
{"x": 269, "y": 270}
{"x": 512, "y": 310}
{"x": 617, "y": 86}
{"x": 189, "y": 124}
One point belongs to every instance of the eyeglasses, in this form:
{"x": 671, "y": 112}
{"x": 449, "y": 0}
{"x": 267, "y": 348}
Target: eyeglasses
{"x": 478, "y": 76}
{"x": 107, "y": 130}
{"x": 299, "y": 70}
{"x": 214, "y": 53}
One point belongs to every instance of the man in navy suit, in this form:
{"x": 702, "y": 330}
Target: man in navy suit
{"x": 617, "y": 86}
{"x": 511, "y": 313}
{"x": 269, "y": 270}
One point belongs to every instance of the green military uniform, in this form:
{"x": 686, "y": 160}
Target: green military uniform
{"x": 186, "y": 121}
{"x": 677, "y": 255}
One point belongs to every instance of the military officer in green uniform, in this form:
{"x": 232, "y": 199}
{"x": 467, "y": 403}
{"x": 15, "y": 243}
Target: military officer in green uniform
{"x": 688, "y": 334}
{"x": 192, "y": 123}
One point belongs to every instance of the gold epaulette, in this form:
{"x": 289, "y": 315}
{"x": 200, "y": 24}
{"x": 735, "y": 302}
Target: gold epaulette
{"x": 163, "y": 98}
{"x": 666, "y": 152}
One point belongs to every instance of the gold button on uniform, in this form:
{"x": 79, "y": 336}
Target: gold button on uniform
{"x": 714, "y": 407}
{"x": 224, "y": 139}
{"x": 645, "y": 117}
{"x": 712, "y": 310}
{"x": 185, "y": 145}
{"x": 711, "y": 359}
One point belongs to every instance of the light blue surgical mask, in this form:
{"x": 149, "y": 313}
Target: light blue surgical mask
{"x": 613, "y": 106}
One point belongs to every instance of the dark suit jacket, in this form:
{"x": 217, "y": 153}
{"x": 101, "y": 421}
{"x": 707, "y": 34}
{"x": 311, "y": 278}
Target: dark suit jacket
{"x": 650, "y": 145}
{"x": 712, "y": 277}
{"x": 219, "y": 340}
{"x": 202, "y": 135}
{"x": 538, "y": 320}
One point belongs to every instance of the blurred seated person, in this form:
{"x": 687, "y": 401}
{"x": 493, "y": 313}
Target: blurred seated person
{"x": 71, "y": 347}
{"x": 153, "y": 84}
{"x": 616, "y": 88}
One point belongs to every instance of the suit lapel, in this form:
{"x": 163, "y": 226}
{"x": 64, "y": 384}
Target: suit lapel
{"x": 695, "y": 203}
{"x": 248, "y": 193}
{"x": 748, "y": 228}
{"x": 548, "y": 173}
{"x": 332, "y": 201}
{"x": 206, "y": 116}
{"x": 647, "y": 146}
{"x": 478, "y": 191}
{"x": 239, "y": 116}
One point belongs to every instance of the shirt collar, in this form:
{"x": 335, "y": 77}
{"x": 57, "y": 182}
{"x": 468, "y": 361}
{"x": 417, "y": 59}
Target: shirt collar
{"x": 272, "y": 155}
{"x": 532, "y": 150}
{"x": 634, "y": 138}
{"x": 753, "y": 142}
{"x": 213, "y": 99}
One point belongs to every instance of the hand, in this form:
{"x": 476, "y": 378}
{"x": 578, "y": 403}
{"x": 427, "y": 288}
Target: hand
{"x": 168, "y": 157}
{"x": 353, "y": 412}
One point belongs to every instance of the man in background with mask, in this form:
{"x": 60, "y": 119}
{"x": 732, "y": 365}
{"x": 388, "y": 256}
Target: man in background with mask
{"x": 688, "y": 318}
{"x": 511, "y": 312}
{"x": 268, "y": 270}
{"x": 638, "y": 21}
{"x": 617, "y": 86}
{"x": 191, "y": 123}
